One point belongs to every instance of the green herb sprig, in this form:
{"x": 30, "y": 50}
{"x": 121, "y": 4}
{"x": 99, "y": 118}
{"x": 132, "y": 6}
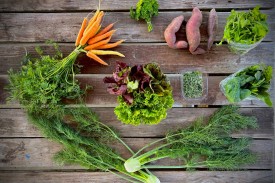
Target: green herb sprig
{"x": 145, "y": 9}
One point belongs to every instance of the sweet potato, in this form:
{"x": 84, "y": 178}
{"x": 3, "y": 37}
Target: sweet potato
{"x": 193, "y": 32}
{"x": 212, "y": 27}
{"x": 170, "y": 34}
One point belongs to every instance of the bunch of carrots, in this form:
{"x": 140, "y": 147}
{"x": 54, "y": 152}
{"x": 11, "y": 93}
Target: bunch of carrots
{"x": 95, "y": 41}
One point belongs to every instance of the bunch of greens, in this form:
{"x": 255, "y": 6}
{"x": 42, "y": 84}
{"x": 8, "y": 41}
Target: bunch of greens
{"x": 41, "y": 87}
{"x": 42, "y": 83}
{"x": 86, "y": 142}
{"x": 192, "y": 84}
{"x": 144, "y": 92}
{"x": 201, "y": 145}
{"x": 245, "y": 27}
{"x": 251, "y": 81}
{"x": 145, "y": 9}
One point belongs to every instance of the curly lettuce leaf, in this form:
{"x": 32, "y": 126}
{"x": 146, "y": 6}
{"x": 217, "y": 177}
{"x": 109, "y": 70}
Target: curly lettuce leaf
{"x": 148, "y": 108}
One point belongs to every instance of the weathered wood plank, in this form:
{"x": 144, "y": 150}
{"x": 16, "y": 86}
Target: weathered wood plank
{"x": 38, "y": 27}
{"x": 99, "y": 97}
{"x": 63, "y": 5}
{"x": 14, "y": 122}
{"x": 164, "y": 176}
{"x": 36, "y": 154}
{"x": 218, "y": 60}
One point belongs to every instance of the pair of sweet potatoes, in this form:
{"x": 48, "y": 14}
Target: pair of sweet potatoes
{"x": 192, "y": 32}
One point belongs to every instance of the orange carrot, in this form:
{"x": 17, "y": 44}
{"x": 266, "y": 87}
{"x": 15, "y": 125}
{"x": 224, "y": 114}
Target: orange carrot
{"x": 100, "y": 38}
{"x": 96, "y": 58}
{"x": 106, "y": 29}
{"x": 111, "y": 45}
{"x": 92, "y": 20}
{"x": 92, "y": 30}
{"x": 103, "y": 52}
{"x": 80, "y": 33}
{"x": 97, "y": 44}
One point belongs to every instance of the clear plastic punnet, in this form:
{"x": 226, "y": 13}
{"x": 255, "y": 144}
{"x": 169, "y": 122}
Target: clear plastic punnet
{"x": 204, "y": 85}
{"x": 225, "y": 80}
{"x": 240, "y": 48}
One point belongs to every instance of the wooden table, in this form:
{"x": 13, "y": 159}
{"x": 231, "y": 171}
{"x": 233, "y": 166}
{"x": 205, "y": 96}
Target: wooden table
{"x": 27, "y": 157}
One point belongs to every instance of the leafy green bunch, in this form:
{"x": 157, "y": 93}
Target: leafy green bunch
{"x": 145, "y": 9}
{"x": 251, "y": 81}
{"x": 144, "y": 93}
{"x": 202, "y": 145}
{"x": 245, "y": 27}
{"x": 44, "y": 82}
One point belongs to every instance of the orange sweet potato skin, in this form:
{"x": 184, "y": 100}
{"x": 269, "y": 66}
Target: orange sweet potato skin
{"x": 170, "y": 34}
{"x": 212, "y": 28}
{"x": 193, "y": 32}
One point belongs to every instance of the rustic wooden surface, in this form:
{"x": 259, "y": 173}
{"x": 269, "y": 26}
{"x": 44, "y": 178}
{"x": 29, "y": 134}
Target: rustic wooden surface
{"x": 25, "y": 156}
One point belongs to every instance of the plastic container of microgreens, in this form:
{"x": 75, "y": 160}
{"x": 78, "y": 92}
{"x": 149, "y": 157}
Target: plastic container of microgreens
{"x": 194, "y": 85}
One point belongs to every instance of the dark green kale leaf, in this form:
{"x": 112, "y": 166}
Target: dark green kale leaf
{"x": 145, "y": 9}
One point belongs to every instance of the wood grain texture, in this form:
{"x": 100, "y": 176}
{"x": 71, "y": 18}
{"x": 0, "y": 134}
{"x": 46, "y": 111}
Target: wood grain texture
{"x": 14, "y": 123}
{"x": 63, "y": 5}
{"x": 164, "y": 176}
{"x": 218, "y": 60}
{"x": 36, "y": 154}
{"x": 99, "y": 97}
{"x": 39, "y": 27}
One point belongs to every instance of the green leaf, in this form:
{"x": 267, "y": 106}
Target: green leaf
{"x": 145, "y": 10}
{"x": 259, "y": 83}
{"x": 258, "y": 75}
{"x": 245, "y": 27}
{"x": 232, "y": 90}
{"x": 264, "y": 96}
{"x": 132, "y": 85}
{"x": 245, "y": 93}
{"x": 268, "y": 73}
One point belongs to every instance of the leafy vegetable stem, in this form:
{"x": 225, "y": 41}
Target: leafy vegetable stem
{"x": 155, "y": 159}
{"x": 115, "y": 136}
{"x": 133, "y": 175}
{"x": 153, "y": 151}
{"x": 173, "y": 167}
{"x": 123, "y": 177}
{"x": 152, "y": 143}
{"x": 70, "y": 58}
